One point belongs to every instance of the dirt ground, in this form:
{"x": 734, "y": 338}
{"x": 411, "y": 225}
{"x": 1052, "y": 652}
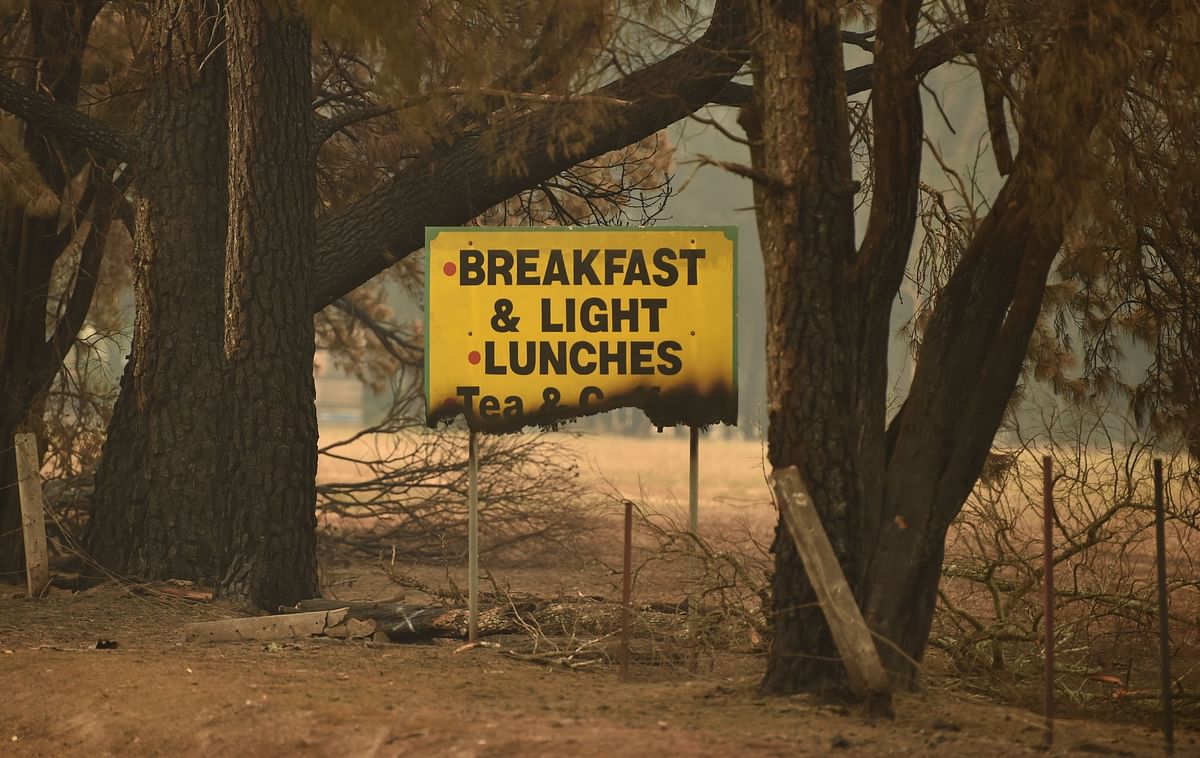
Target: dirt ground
{"x": 156, "y": 694}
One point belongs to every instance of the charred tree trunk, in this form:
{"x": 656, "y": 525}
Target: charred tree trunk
{"x": 887, "y": 492}
{"x": 269, "y": 338}
{"x": 814, "y": 320}
{"x": 30, "y": 244}
{"x": 155, "y": 510}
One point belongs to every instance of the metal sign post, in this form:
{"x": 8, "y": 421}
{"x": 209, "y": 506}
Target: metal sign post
{"x": 533, "y": 327}
{"x": 1164, "y": 639}
{"x": 626, "y": 591}
{"x": 693, "y": 536}
{"x": 1048, "y": 580}
{"x": 473, "y": 537}
{"x": 694, "y": 483}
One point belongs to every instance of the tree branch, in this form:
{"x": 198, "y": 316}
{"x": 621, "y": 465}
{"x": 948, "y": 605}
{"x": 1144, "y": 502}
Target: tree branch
{"x": 325, "y": 128}
{"x": 993, "y": 95}
{"x": 942, "y": 49}
{"x": 460, "y": 181}
{"x": 896, "y": 102}
{"x": 62, "y": 121}
{"x": 87, "y": 273}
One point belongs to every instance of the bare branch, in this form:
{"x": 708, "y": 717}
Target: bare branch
{"x": 942, "y": 49}
{"x": 896, "y": 166}
{"x": 327, "y": 127}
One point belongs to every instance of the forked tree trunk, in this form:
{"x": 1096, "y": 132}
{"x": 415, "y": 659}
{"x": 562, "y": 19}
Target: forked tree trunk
{"x": 887, "y": 492}
{"x": 155, "y": 510}
{"x": 269, "y": 337}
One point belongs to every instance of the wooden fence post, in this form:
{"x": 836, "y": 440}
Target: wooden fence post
{"x": 850, "y": 631}
{"x": 33, "y": 514}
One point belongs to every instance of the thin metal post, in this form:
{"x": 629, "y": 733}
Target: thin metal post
{"x": 626, "y": 591}
{"x": 694, "y": 483}
{"x": 1048, "y": 581}
{"x": 473, "y": 537}
{"x": 1164, "y": 640}
{"x": 693, "y": 534}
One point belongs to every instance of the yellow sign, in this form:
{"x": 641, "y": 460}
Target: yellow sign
{"x": 534, "y": 326}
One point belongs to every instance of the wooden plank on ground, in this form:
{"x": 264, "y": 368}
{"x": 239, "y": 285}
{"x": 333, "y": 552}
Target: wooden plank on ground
{"x": 850, "y": 631}
{"x": 283, "y": 627}
{"x": 353, "y": 628}
{"x": 33, "y": 514}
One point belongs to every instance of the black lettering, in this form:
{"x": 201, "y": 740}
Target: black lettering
{"x": 641, "y": 353}
{"x": 548, "y": 324}
{"x": 589, "y": 393}
{"x": 590, "y": 322}
{"x": 671, "y": 362}
{"x": 637, "y": 273}
{"x": 691, "y": 256}
{"x": 513, "y": 406}
{"x": 577, "y": 365}
{"x": 515, "y": 364}
{"x": 468, "y": 395}
{"x": 470, "y": 267}
{"x": 500, "y": 263}
{"x": 527, "y": 267}
{"x": 556, "y": 269}
{"x": 624, "y": 318}
{"x": 490, "y": 366}
{"x": 614, "y": 265}
{"x": 583, "y": 268}
{"x": 667, "y": 274}
{"x": 553, "y": 358}
{"x": 570, "y": 314}
{"x": 654, "y": 305}
{"x": 614, "y": 358}
{"x": 489, "y": 406}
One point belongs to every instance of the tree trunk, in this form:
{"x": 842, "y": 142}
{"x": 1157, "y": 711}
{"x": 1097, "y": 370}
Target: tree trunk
{"x": 29, "y": 247}
{"x": 269, "y": 338}
{"x": 155, "y": 511}
{"x": 807, "y": 230}
{"x": 887, "y": 493}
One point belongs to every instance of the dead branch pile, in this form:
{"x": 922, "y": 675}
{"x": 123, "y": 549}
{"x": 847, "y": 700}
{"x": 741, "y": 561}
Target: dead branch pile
{"x": 408, "y": 622}
{"x": 989, "y": 624}
{"x": 402, "y": 490}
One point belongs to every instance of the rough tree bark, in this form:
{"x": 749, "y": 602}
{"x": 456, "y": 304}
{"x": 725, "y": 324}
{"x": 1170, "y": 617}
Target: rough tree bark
{"x": 271, "y": 498}
{"x": 154, "y": 512}
{"x": 814, "y": 318}
{"x": 887, "y": 492}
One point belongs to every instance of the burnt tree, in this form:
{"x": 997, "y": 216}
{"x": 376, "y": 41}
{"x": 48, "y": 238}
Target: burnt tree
{"x": 156, "y": 508}
{"x": 161, "y": 506}
{"x": 268, "y": 340}
{"x": 887, "y": 490}
{"x": 32, "y": 242}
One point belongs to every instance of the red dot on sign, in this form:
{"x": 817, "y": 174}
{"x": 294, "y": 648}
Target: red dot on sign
{"x": 473, "y": 357}
{"x": 449, "y": 268}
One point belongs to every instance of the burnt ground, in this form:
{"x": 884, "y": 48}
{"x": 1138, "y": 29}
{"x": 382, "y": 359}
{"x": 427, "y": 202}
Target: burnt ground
{"x": 156, "y": 694}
